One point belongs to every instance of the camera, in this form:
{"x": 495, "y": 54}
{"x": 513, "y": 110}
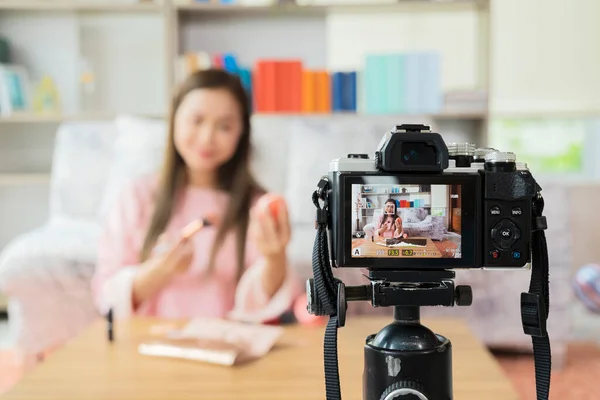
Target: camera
{"x": 422, "y": 204}
{"x": 412, "y": 214}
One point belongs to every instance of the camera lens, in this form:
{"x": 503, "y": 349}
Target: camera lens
{"x": 417, "y": 153}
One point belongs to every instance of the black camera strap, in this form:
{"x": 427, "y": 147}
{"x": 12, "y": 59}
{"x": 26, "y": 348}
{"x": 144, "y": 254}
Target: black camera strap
{"x": 325, "y": 301}
{"x": 534, "y": 304}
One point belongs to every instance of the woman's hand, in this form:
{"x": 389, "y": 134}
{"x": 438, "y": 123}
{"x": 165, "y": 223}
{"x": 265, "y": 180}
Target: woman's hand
{"x": 270, "y": 233}
{"x": 398, "y": 223}
{"x": 161, "y": 267}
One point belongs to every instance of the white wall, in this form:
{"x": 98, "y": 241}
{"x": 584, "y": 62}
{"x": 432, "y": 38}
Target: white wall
{"x": 452, "y": 30}
{"x": 546, "y": 55}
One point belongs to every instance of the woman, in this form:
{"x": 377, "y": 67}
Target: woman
{"x": 389, "y": 224}
{"x": 236, "y": 266}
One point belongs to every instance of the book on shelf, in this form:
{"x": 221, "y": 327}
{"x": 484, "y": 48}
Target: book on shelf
{"x": 399, "y": 83}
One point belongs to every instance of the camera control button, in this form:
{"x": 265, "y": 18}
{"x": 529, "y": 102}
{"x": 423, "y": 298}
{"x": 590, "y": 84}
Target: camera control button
{"x": 495, "y": 254}
{"x": 505, "y": 233}
{"x": 516, "y": 255}
{"x": 516, "y": 211}
{"x": 495, "y": 211}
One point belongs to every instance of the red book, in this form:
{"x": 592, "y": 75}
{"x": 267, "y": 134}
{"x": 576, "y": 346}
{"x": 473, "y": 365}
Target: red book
{"x": 289, "y": 86}
{"x": 265, "y": 86}
{"x": 217, "y": 61}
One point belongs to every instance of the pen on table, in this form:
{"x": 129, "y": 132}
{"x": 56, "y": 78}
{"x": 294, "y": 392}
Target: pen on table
{"x": 110, "y": 326}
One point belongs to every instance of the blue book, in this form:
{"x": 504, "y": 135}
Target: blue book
{"x": 375, "y": 84}
{"x": 337, "y": 85}
{"x": 349, "y": 91}
{"x": 412, "y": 83}
{"x": 430, "y": 82}
{"x": 230, "y": 63}
{"x": 352, "y": 95}
{"x": 395, "y": 84}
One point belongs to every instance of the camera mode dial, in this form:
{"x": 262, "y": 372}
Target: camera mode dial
{"x": 500, "y": 161}
{"x": 480, "y": 153}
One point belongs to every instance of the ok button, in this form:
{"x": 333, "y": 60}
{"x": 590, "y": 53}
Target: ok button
{"x": 506, "y": 233}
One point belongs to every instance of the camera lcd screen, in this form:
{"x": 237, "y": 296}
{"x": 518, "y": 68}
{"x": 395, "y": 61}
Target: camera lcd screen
{"x": 418, "y": 221}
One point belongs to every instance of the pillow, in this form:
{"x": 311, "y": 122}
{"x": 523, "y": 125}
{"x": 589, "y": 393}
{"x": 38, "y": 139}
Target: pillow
{"x": 139, "y": 150}
{"x": 82, "y": 156}
{"x": 412, "y": 215}
{"x": 269, "y": 140}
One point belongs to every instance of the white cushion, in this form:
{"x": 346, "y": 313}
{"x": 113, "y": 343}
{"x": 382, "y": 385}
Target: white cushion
{"x": 270, "y": 140}
{"x": 314, "y": 143}
{"x": 81, "y": 159}
{"x": 139, "y": 150}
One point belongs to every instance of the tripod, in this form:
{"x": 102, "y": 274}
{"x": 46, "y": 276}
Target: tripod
{"x": 406, "y": 360}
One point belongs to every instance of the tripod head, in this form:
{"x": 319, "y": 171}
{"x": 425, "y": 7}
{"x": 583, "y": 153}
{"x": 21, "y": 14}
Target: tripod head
{"x": 399, "y": 288}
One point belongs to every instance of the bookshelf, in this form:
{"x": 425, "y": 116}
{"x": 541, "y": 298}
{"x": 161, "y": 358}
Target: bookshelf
{"x": 133, "y": 49}
{"x": 70, "y": 5}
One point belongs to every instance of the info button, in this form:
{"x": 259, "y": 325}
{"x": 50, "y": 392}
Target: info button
{"x": 517, "y": 212}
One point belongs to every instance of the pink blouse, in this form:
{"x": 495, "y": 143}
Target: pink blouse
{"x": 192, "y": 294}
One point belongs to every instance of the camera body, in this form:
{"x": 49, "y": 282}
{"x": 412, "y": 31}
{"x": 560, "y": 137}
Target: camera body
{"x": 420, "y": 204}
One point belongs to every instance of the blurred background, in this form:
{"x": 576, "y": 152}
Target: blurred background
{"x": 84, "y": 93}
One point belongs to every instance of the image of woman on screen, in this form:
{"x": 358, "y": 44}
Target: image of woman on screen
{"x": 389, "y": 224}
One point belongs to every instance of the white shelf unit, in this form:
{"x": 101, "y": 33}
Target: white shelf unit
{"x": 58, "y": 5}
{"x": 133, "y": 47}
{"x": 257, "y": 32}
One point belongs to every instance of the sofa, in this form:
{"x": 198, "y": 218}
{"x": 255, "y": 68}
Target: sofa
{"x": 415, "y": 222}
{"x": 46, "y": 273}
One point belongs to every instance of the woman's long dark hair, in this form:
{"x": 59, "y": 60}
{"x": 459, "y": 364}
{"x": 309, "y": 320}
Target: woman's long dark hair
{"x": 233, "y": 177}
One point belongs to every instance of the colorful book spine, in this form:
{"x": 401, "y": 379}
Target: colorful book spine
{"x": 430, "y": 82}
{"x": 230, "y": 63}
{"x": 343, "y": 91}
{"x": 350, "y": 91}
{"x": 323, "y": 92}
{"x": 337, "y": 90}
{"x": 309, "y": 95}
{"x": 278, "y": 86}
{"x": 375, "y": 84}
{"x": 217, "y": 61}
{"x": 412, "y": 83}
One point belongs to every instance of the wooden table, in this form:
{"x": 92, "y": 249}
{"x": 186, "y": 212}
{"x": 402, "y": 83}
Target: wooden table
{"x": 367, "y": 248}
{"x": 90, "y": 367}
